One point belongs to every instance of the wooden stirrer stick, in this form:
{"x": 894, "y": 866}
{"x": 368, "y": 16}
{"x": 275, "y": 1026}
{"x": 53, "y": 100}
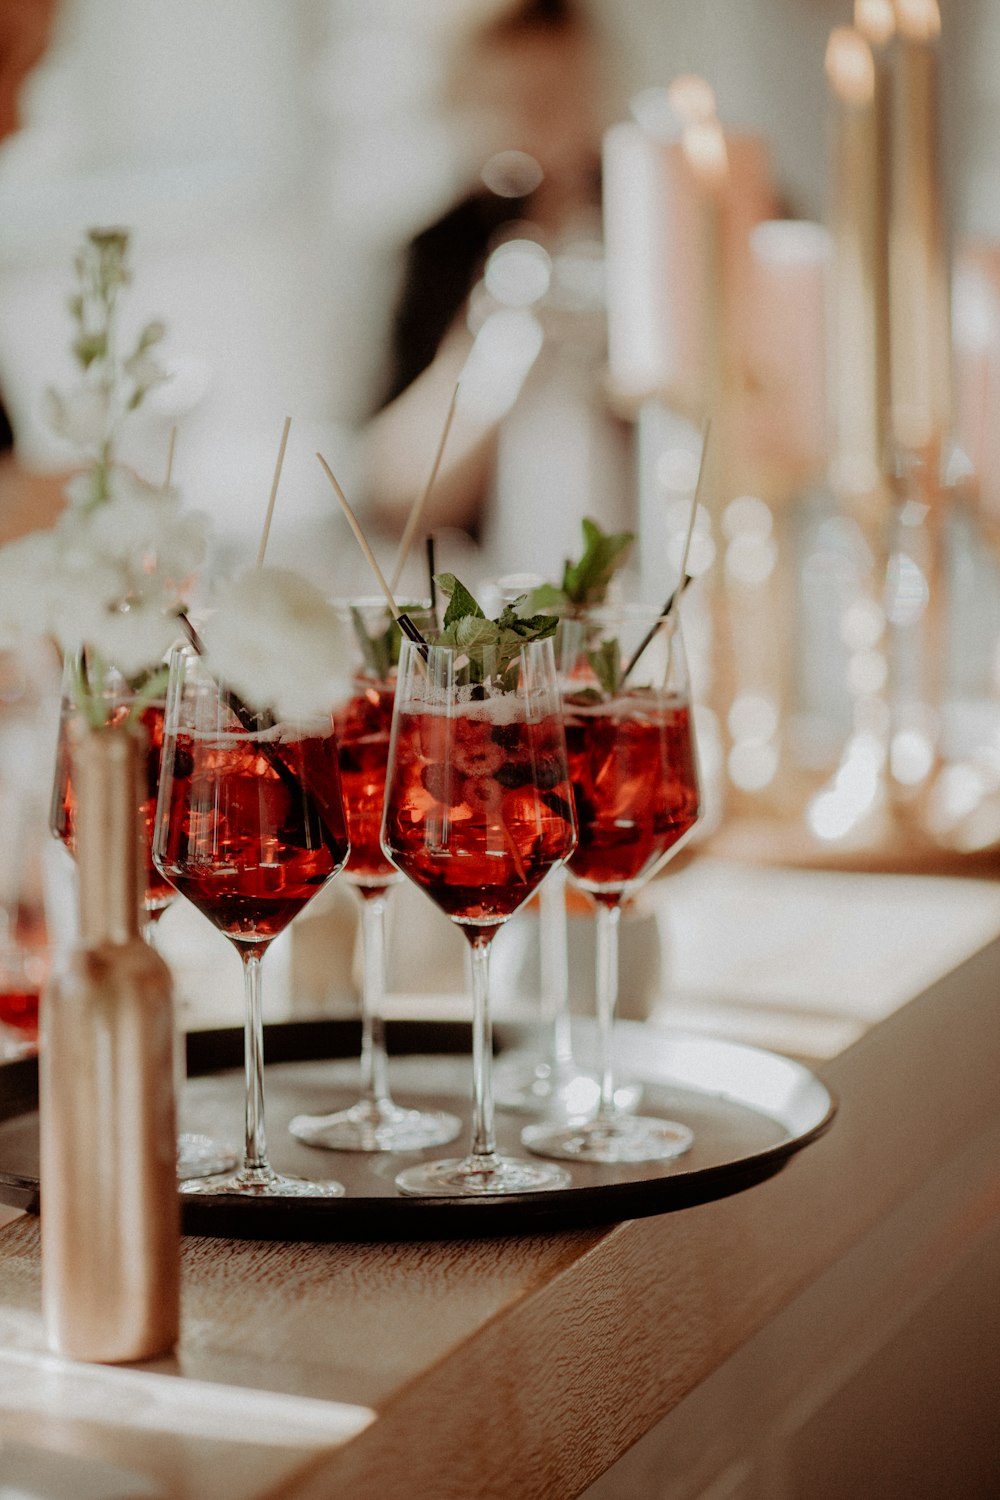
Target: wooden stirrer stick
{"x": 417, "y": 509}
{"x": 683, "y": 580}
{"x": 403, "y": 620}
{"x": 274, "y": 493}
{"x": 170, "y": 459}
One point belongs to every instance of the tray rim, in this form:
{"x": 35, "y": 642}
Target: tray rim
{"x": 391, "y": 1219}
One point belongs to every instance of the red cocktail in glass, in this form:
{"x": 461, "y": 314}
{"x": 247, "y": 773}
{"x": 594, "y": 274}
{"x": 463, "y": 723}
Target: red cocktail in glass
{"x": 159, "y": 892}
{"x": 635, "y": 780}
{"x": 478, "y": 810}
{"x": 197, "y": 1155}
{"x": 249, "y": 826}
{"x": 362, "y": 727}
{"x": 242, "y": 838}
{"x": 636, "y": 785}
{"x": 499, "y": 797}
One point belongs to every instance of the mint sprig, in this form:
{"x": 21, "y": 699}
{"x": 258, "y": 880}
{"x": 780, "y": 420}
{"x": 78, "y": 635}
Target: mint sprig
{"x": 606, "y": 665}
{"x": 585, "y": 585}
{"x": 379, "y": 649}
{"x": 492, "y": 646}
{"x": 585, "y": 582}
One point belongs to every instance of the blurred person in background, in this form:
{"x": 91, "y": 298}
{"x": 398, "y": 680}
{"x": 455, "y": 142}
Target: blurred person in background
{"x": 25, "y": 28}
{"x": 528, "y": 97}
{"x": 28, "y": 676}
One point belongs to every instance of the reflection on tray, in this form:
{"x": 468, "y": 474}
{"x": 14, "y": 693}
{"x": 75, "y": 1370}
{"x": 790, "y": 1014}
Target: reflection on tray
{"x": 750, "y": 1111}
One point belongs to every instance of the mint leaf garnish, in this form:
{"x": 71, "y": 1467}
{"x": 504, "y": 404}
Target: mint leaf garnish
{"x": 460, "y": 602}
{"x": 492, "y": 646}
{"x": 586, "y": 582}
{"x": 606, "y": 665}
{"x": 380, "y": 650}
{"x": 547, "y": 596}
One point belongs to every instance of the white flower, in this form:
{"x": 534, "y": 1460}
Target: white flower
{"x": 180, "y": 552}
{"x": 109, "y": 576}
{"x": 111, "y": 572}
{"x": 27, "y": 569}
{"x": 274, "y": 639}
{"x": 143, "y": 531}
{"x": 135, "y": 639}
{"x": 145, "y": 369}
{"x": 82, "y": 416}
{"x": 81, "y": 489}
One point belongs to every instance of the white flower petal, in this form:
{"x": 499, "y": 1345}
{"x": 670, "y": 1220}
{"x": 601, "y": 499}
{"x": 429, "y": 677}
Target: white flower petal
{"x": 134, "y": 640}
{"x": 275, "y": 640}
{"x": 81, "y": 416}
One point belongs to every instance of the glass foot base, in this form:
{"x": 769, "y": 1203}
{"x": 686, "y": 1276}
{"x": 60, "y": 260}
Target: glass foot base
{"x": 524, "y": 1086}
{"x": 263, "y": 1182}
{"x": 200, "y": 1156}
{"x": 383, "y": 1126}
{"x": 624, "y": 1138}
{"x": 474, "y": 1177}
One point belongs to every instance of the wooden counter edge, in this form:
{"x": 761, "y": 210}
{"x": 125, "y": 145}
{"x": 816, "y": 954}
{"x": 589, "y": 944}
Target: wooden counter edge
{"x": 547, "y": 1395}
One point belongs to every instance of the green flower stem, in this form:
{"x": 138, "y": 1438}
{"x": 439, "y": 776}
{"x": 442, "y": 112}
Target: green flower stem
{"x": 154, "y": 687}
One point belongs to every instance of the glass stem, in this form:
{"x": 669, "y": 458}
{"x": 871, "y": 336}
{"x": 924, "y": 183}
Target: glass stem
{"x": 608, "y": 918}
{"x": 374, "y": 1063}
{"x": 253, "y": 1051}
{"x": 555, "y": 968}
{"x": 484, "y": 1142}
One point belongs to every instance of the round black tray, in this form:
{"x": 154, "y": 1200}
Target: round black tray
{"x": 750, "y": 1111}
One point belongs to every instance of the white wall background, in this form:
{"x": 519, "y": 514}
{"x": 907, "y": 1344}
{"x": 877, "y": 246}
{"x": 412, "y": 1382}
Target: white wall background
{"x": 273, "y": 158}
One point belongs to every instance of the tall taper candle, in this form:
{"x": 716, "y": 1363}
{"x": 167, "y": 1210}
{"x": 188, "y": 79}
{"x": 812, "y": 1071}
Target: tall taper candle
{"x": 859, "y": 335}
{"x": 919, "y": 277}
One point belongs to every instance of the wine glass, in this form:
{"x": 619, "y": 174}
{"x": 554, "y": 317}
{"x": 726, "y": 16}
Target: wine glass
{"x": 549, "y": 1081}
{"x": 478, "y": 809}
{"x": 632, "y": 760}
{"x": 197, "y": 1155}
{"x": 362, "y": 725}
{"x": 249, "y": 825}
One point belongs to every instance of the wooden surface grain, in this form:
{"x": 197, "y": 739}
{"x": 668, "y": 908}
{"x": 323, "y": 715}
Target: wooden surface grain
{"x": 518, "y": 1366}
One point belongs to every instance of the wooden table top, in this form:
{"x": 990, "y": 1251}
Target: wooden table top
{"x": 526, "y": 1366}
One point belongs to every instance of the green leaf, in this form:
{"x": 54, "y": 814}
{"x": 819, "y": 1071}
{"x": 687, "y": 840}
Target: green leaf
{"x": 474, "y": 632}
{"x": 380, "y": 651}
{"x": 535, "y": 627}
{"x": 460, "y": 602}
{"x": 492, "y": 646}
{"x": 583, "y": 697}
{"x": 509, "y": 612}
{"x": 546, "y": 596}
{"x": 586, "y": 582}
{"x": 150, "y": 335}
{"x": 606, "y": 665}
{"x": 88, "y": 347}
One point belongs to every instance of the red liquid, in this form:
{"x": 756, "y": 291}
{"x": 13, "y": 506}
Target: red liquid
{"x": 634, "y": 776}
{"x": 159, "y": 892}
{"x": 242, "y": 844}
{"x": 19, "y": 1010}
{"x": 478, "y": 812}
{"x": 362, "y": 728}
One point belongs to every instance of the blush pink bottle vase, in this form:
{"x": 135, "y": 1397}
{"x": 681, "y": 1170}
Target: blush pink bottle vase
{"x": 110, "y": 1210}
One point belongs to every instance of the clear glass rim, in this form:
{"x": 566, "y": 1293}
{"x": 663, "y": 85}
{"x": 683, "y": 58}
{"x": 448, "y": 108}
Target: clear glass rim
{"x": 344, "y": 603}
{"x": 632, "y": 613}
{"x": 199, "y": 677}
{"x": 421, "y": 649}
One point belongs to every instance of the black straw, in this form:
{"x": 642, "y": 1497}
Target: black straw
{"x": 431, "y": 570}
{"x": 664, "y": 612}
{"x": 408, "y": 628}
